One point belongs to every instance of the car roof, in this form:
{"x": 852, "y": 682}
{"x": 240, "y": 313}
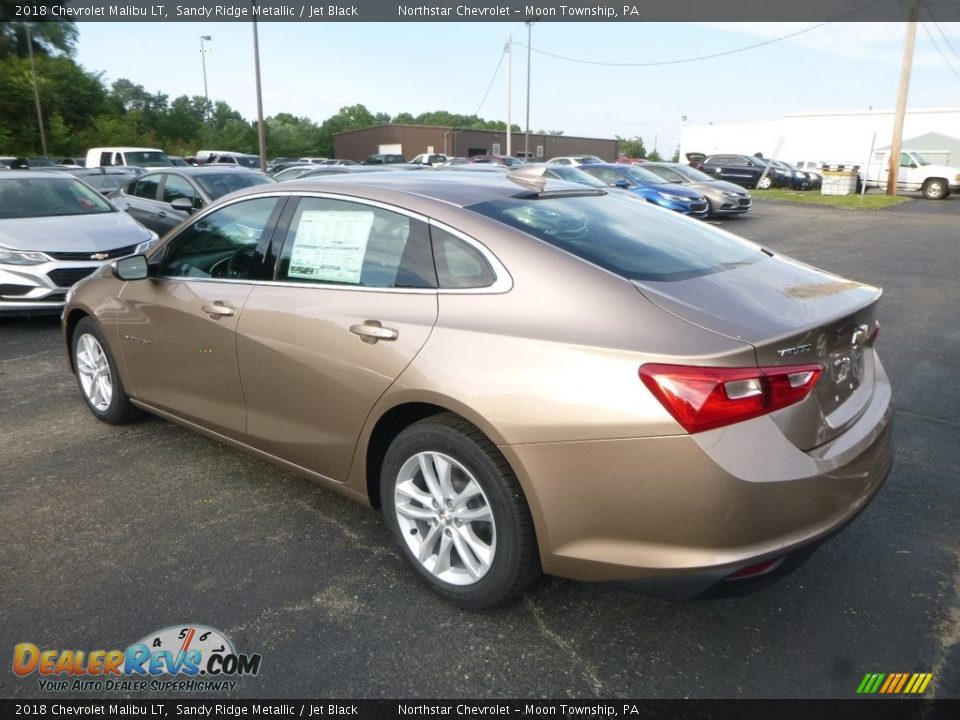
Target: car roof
{"x": 457, "y": 189}
{"x": 201, "y": 169}
{"x": 35, "y": 174}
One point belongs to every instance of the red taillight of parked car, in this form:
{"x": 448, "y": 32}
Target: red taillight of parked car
{"x": 704, "y": 398}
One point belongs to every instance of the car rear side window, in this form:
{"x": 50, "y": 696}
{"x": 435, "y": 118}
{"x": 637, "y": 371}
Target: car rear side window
{"x": 459, "y": 265}
{"x": 624, "y": 236}
{"x": 335, "y": 242}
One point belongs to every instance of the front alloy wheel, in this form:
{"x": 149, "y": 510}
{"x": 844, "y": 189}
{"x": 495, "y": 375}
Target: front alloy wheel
{"x": 93, "y": 372}
{"x": 97, "y": 375}
{"x": 765, "y": 183}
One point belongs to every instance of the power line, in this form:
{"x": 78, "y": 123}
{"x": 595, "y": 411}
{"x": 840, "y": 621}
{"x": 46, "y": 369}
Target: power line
{"x": 502, "y": 53}
{"x": 942, "y": 33}
{"x": 712, "y": 55}
{"x": 940, "y": 50}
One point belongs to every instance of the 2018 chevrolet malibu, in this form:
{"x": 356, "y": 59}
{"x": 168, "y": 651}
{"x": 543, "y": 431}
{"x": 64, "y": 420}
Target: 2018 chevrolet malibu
{"x": 523, "y": 374}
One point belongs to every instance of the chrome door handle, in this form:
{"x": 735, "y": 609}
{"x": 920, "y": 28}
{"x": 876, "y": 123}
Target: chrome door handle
{"x": 217, "y": 309}
{"x": 370, "y": 331}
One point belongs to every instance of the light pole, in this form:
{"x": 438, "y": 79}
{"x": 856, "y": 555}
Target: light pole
{"x": 203, "y": 58}
{"x": 526, "y": 143}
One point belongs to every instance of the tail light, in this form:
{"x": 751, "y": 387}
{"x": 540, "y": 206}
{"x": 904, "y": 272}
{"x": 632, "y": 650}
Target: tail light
{"x": 704, "y": 398}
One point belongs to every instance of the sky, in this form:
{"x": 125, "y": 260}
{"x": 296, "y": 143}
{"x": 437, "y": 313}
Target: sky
{"x": 313, "y": 69}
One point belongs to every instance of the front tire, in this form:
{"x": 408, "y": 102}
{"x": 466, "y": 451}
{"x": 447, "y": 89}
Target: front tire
{"x": 458, "y": 514}
{"x": 97, "y": 376}
{"x": 765, "y": 183}
{"x": 935, "y": 189}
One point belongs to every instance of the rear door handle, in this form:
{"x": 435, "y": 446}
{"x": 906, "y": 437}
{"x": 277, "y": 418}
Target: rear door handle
{"x": 217, "y": 309}
{"x": 371, "y": 331}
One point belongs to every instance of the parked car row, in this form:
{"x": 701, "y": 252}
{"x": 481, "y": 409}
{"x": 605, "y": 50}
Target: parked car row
{"x": 161, "y": 198}
{"x": 754, "y": 171}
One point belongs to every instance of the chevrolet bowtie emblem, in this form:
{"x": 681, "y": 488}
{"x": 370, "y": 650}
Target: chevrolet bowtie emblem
{"x": 99, "y": 256}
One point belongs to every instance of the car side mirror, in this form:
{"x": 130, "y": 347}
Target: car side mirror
{"x": 130, "y": 268}
{"x": 621, "y": 184}
{"x": 184, "y": 205}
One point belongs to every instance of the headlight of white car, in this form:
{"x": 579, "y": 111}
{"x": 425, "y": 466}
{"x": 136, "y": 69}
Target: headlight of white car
{"x": 9, "y": 256}
{"x": 146, "y": 245}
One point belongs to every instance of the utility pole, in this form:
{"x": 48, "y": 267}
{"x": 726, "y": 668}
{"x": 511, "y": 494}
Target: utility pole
{"x": 509, "y": 91}
{"x": 894, "y": 170}
{"x": 36, "y": 90}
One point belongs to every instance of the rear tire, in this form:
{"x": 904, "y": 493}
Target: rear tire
{"x": 97, "y": 376}
{"x": 458, "y": 514}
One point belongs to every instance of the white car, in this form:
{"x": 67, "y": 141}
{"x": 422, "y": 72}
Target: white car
{"x": 575, "y": 160}
{"x": 54, "y": 231}
{"x": 432, "y": 159}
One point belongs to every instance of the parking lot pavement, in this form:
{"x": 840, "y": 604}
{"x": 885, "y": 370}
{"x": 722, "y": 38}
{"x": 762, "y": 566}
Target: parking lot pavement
{"x": 110, "y": 533}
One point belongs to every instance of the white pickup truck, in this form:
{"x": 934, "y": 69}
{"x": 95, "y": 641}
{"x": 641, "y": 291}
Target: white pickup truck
{"x": 915, "y": 174}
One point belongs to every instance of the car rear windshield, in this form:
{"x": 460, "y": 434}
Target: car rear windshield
{"x": 216, "y": 185}
{"x": 48, "y": 197}
{"x": 624, "y": 235}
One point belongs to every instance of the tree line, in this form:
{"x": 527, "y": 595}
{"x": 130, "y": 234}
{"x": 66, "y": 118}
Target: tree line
{"x": 80, "y": 110}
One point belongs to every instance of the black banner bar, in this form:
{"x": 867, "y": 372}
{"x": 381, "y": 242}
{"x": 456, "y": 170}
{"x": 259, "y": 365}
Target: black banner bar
{"x": 473, "y": 11}
{"x": 856, "y": 709}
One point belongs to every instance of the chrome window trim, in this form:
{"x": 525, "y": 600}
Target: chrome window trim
{"x": 503, "y": 282}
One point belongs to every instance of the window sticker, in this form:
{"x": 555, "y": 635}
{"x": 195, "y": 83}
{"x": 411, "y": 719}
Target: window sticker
{"x": 330, "y": 245}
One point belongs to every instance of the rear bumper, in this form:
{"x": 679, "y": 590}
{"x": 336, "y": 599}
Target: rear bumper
{"x": 674, "y": 515}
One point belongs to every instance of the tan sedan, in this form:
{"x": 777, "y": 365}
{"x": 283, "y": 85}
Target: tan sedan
{"x": 525, "y": 375}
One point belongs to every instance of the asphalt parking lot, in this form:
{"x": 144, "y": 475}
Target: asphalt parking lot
{"x": 109, "y": 533}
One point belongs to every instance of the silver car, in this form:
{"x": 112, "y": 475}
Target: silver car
{"x": 54, "y": 231}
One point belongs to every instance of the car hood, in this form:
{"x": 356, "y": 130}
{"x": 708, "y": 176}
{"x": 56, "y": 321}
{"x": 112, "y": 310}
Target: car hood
{"x": 72, "y": 233}
{"x": 719, "y": 186}
{"x": 946, "y": 170}
{"x": 686, "y": 191}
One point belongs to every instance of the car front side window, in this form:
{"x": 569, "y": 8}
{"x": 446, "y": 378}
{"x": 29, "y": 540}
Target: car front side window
{"x": 146, "y": 187}
{"x": 177, "y": 187}
{"x": 221, "y": 244}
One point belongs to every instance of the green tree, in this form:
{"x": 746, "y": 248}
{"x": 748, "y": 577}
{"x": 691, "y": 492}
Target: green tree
{"x": 291, "y": 136}
{"x": 352, "y": 117}
{"x": 50, "y": 35}
{"x": 631, "y": 148}
{"x": 65, "y": 89}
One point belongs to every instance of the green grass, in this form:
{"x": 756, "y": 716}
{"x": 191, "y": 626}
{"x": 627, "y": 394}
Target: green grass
{"x": 870, "y": 201}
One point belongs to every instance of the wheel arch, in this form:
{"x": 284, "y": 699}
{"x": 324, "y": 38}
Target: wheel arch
{"x": 401, "y": 415}
{"x": 69, "y": 327}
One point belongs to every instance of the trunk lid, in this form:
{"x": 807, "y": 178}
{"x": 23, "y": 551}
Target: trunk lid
{"x": 792, "y": 314}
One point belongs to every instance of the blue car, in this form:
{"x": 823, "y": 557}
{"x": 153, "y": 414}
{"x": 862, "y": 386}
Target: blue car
{"x": 651, "y": 188}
